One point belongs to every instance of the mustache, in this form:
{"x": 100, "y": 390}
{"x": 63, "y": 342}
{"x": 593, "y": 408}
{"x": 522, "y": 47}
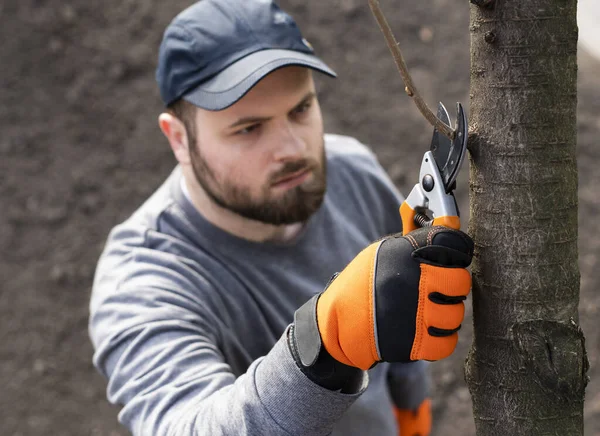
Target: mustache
{"x": 297, "y": 166}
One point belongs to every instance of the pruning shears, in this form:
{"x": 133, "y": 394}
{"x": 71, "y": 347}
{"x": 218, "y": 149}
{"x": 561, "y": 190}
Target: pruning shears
{"x": 431, "y": 201}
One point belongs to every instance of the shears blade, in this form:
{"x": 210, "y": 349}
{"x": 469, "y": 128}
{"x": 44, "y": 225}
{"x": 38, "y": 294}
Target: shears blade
{"x": 449, "y": 154}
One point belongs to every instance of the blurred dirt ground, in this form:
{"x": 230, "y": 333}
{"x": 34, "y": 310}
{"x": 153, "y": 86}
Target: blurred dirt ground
{"x": 80, "y": 150}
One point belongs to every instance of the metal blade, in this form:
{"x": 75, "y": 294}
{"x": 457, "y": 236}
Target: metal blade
{"x": 449, "y": 154}
{"x": 440, "y": 143}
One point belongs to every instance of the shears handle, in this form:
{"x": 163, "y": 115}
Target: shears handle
{"x": 429, "y": 194}
{"x": 411, "y": 220}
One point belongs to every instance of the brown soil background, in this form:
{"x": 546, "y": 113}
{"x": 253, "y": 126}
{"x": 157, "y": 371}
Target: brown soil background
{"x": 80, "y": 150}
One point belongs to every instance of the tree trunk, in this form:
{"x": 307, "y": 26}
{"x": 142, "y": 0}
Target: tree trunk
{"x": 527, "y": 367}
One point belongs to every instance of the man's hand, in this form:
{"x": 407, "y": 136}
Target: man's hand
{"x": 399, "y": 300}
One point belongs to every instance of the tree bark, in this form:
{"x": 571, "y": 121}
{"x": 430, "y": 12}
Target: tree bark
{"x": 527, "y": 367}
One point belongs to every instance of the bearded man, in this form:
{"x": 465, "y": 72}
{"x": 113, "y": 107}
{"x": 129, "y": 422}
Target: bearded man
{"x": 247, "y": 296}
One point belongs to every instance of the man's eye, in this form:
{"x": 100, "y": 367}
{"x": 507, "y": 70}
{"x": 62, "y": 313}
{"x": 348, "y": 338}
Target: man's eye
{"x": 302, "y": 108}
{"x": 247, "y": 130}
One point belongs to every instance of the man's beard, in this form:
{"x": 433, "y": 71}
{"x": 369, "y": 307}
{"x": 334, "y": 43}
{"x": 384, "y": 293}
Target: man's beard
{"x": 295, "y": 205}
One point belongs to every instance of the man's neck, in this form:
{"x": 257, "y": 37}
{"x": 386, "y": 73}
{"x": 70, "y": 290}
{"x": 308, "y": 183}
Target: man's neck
{"x": 233, "y": 223}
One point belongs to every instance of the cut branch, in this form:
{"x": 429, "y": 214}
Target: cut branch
{"x": 410, "y": 88}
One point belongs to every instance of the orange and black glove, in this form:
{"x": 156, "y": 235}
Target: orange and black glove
{"x": 399, "y": 300}
{"x": 415, "y": 422}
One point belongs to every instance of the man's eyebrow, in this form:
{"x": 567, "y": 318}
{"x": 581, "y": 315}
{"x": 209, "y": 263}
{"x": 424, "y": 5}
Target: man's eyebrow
{"x": 254, "y": 120}
{"x": 249, "y": 120}
{"x": 307, "y": 97}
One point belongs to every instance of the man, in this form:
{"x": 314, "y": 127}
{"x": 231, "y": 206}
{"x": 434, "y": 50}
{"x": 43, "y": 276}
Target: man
{"x": 214, "y": 310}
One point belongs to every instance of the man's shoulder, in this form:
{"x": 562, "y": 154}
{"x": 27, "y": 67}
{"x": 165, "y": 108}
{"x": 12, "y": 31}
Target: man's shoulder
{"x": 147, "y": 216}
{"x": 160, "y": 201}
{"x": 347, "y": 155}
{"x": 341, "y": 146}
{"x": 146, "y": 229}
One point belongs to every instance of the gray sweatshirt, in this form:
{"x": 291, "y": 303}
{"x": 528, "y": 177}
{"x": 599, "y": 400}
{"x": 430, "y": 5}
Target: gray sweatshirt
{"x": 189, "y": 322}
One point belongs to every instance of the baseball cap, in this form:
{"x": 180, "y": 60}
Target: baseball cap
{"x": 215, "y": 51}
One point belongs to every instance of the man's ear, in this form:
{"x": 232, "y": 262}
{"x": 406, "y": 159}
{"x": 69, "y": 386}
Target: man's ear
{"x": 174, "y": 131}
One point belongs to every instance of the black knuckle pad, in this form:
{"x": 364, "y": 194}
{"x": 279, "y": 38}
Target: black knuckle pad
{"x": 446, "y": 247}
{"x": 454, "y": 239}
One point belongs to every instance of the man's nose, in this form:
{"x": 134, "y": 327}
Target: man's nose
{"x": 289, "y": 145}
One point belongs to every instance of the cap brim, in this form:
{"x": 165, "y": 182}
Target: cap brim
{"x": 231, "y": 84}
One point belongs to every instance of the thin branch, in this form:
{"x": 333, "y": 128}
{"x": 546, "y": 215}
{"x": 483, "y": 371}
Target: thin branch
{"x": 410, "y": 89}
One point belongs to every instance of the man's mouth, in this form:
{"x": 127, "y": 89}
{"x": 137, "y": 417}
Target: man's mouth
{"x": 292, "y": 180}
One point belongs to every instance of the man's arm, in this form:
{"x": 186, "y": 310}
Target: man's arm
{"x": 160, "y": 353}
{"x": 158, "y": 345}
{"x": 157, "y": 331}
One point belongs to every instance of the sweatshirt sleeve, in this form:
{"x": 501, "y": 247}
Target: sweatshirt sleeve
{"x": 159, "y": 350}
{"x": 409, "y": 383}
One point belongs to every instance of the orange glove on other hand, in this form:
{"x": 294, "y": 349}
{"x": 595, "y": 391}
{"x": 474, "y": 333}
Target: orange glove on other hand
{"x": 414, "y": 422}
{"x": 399, "y": 300}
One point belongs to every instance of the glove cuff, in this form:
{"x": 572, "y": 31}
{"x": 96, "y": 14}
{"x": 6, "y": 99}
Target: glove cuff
{"x": 313, "y": 359}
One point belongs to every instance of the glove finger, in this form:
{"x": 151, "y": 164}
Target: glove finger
{"x": 434, "y": 348}
{"x": 443, "y": 256}
{"x": 450, "y": 282}
{"x": 444, "y": 317}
